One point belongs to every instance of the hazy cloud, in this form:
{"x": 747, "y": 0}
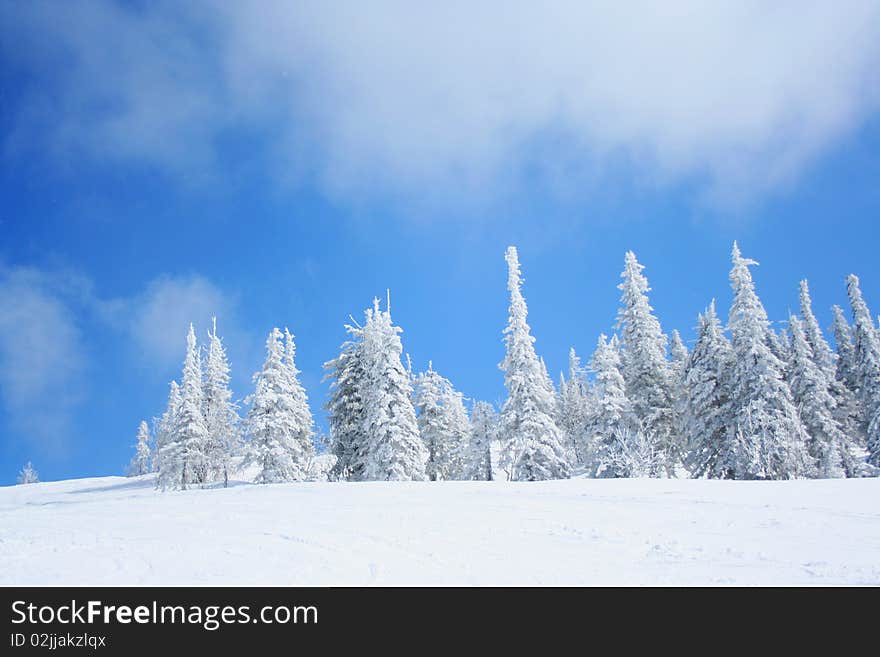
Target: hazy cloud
{"x": 41, "y": 354}
{"x": 158, "y": 318}
{"x": 386, "y": 97}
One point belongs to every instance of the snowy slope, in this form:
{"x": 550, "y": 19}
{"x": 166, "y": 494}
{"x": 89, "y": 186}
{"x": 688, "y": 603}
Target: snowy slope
{"x": 120, "y": 531}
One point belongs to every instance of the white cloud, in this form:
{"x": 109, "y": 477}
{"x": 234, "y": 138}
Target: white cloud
{"x": 41, "y": 355}
{"x": 415, "y": 97}
{"x": 158, "y": 318}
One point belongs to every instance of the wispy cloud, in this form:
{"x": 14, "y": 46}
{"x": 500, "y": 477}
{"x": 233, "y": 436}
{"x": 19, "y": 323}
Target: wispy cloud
{"x": 157, "y": 318}
{"x": 41, "y": 354}
{"x": 396, "y": 97}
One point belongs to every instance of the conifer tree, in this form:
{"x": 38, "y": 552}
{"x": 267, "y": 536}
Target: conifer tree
{"x": 866, "y": 350}
{"x": 443, "y": 426}
{"x": 394, "y": 450}
{"x": 28, "y": 475}
{"x": 706, "y": 408}
{"x": 810, "y": 387}
{"x": 279, "y": 430}
{"x": 221, "y": 417}
{"x": 345, "y": 408}
{"x": 166, "y": 461}
{"x": 534, "y": 441}
{"x": 845, "y": 368}
{"x": 822, "y": 354}
{"x": 645, "y": 368}
{"x": 573, "y": 409}
{"x": 768, "y": 435}
{"x": 612, "y": 414}
{"x": 190, "y": 431}
{"x": 140, "y": 463}
{"x": 484, "y": 431}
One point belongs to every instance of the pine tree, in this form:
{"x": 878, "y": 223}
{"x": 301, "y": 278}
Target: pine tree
{"x": 140, "y": 464}
{"x": 612, "y": 415}
{"x": 846, "y": 411}
{"x": 822, "y": 354}
{"x": 279, "y": 429}
{"x": 867, "y": 367}
{"x": 645, "y": 369}
{"x": 443, "y": 426}
{"x": 345, "y": 408}
{"x": 533, "y": 440}
{"x": 811, "y": 391}
{"x": 706, "y": 408}
{"x": 28, "y": 475}
{"x": 190, "y": 431}
{"x": 167, "y": 457}
{"x": 394, "y": 450}
{"x": 484, "y": 431}
{"x": 221, "y": 417}
{"x": 845, "y": 370}
{"x": 573, "y": 409}
{"x": 768, "y": 435}
{"x": 678, "y": 355}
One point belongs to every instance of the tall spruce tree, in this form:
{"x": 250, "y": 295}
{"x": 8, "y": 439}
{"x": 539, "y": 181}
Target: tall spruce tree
{"x": 768, "y": 436}
{"x": 573, "y": 408}
{"x": 811, "y": 391}
{"x": 866, "y": 351}
{"x": 645, "y": 368}
{"x": 612, "y": 414}
{"x": 533, "y": 440}
{"x": 484, "y": 431}
{"x": 706, "y": 408}
{"x": 345, "y": 407}
{"x": 394, "y": 449}
{"x": 166, "y": 460}
{"x": 221, "y": 417}
{"x": 443, "y": 426}
{"x": 278, "y": 428}
{"x": 190, "y": 431}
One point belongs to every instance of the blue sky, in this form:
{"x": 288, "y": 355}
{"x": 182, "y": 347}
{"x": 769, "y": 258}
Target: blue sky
{"x": 282, "y": 164}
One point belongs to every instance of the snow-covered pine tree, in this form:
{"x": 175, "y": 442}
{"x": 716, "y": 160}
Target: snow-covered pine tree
{"x": 279, "y": 431}
{"x": 190, "y": 431}
{"x": 140, "y": 463}
{"x": 867, "y": 366}
{"x": 221, "y": 417}
{"x": 645, "y": 368}
{"x": 850, "y": 412}
{"x": 443, "y": 426}
{"x": 394, "y": 450}
{"x": 678, "y": 354}
{"x": 706, "y": 407}
{"x": 484, "y": 431}
{"x": 345, "y": 408}
{"x": 612, "y": 415}
{"x": 28, "y": 475}
{"x": 299, "y": 402}
{"x": 533, "y": 440}
{"x": 822, "y": 354}
{"x": 166, "y": 460}
{"x": 847, "y": 411}
{"x": 768, "y": 435}
{"x": 845, "y": 368}
{"x": 573, "y": 409}
{"x": 811, "y": 391}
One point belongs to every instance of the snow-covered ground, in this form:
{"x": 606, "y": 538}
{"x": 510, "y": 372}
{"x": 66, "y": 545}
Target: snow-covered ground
{"x": 117, "y": 531}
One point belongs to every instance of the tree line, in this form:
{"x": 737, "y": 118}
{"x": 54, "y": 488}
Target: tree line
{"x": 747, "y": 402}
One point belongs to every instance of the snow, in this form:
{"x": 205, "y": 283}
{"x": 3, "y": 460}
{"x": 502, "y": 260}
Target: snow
{"x": 120, "y": 531}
